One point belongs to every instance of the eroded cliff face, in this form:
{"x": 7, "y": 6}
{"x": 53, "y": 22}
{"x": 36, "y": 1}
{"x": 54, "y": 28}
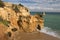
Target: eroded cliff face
{"x": 19, "y": 18}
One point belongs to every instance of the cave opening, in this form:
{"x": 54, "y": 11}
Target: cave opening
{"x": 38, "y": 27}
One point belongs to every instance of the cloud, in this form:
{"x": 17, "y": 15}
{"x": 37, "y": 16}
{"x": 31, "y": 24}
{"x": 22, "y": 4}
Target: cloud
{"x": 37, "y": 5}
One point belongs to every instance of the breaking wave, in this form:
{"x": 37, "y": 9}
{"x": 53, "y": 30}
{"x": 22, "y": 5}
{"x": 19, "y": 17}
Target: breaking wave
{"x": 50, "y": 31}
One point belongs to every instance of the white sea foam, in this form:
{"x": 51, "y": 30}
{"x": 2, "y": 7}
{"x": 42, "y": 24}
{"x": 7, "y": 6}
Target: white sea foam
{"x": 50, "y": 32}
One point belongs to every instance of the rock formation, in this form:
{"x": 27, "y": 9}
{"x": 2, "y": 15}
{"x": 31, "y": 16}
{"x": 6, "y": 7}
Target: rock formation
{"x": 19, "y": 18}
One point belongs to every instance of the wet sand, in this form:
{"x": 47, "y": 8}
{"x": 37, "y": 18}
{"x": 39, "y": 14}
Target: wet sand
{"x": 36, "y": 36}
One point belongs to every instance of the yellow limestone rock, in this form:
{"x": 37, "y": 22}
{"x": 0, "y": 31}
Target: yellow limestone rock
{"x": 20, "y": 18}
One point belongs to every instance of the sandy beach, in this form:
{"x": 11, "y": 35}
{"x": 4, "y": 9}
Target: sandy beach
{"x": 35, "y": 36}
{"x": 30, "y": 36}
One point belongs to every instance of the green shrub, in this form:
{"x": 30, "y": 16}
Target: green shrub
{"x": 5, "y": 22}
{"x": 16, "y": 8}
{"x": 1, "y": 4}
{"x": 21, "y": 5}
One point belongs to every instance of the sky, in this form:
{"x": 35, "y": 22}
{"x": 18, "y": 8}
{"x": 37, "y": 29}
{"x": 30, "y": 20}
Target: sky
{"x": 39, "y": 5}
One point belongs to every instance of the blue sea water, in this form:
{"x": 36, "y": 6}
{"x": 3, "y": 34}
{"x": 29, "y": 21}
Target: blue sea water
{"x": 52, "y": 23}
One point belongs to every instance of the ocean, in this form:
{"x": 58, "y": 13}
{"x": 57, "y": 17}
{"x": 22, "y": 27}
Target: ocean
{"x": 51, "y": 23}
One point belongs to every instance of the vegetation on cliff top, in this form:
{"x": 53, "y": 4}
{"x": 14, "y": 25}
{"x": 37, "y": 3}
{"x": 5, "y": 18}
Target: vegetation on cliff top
{"x": 15, "y": 8}
{"x": 1, "y": 4}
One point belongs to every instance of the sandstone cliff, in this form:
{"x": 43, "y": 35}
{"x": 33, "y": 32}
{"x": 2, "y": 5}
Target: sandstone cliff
{"x": 16, "y": 17}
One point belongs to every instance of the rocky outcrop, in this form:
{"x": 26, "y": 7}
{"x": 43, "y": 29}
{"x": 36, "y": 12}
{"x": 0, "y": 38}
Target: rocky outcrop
{"x": 19, "y": 18}
{"x": 31, "y": 23}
